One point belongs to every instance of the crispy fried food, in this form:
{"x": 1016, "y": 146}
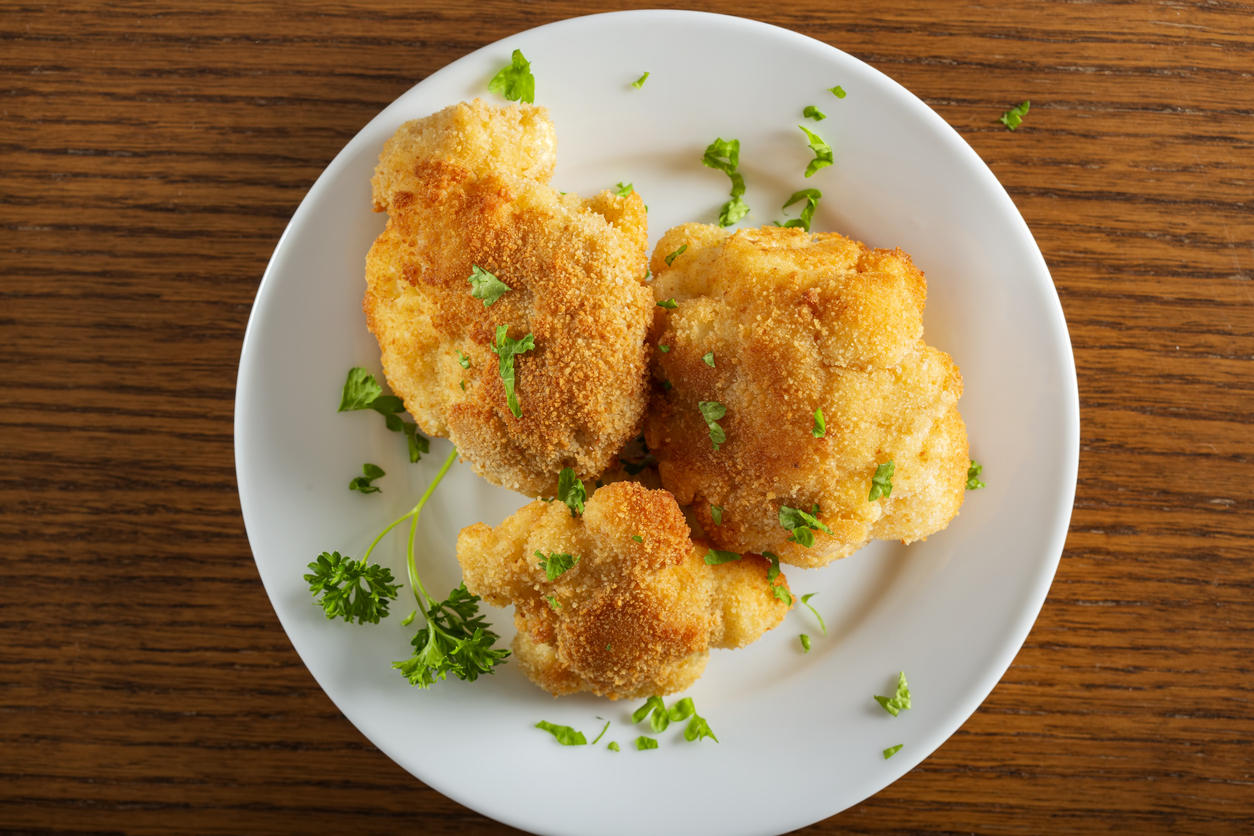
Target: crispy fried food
{"x": 798, "y": 322}
{"x": 466, "y": 187}
{"x": 628, "y": 619}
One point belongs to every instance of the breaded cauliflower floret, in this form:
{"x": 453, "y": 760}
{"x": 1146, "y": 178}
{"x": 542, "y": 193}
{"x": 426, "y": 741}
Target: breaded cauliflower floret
{"x": 629, "y": 619}
{"x": 467, "y": 187}
{"x": 797, "y": 322}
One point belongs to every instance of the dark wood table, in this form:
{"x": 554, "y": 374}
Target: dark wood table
{"x": 150, "y": 157}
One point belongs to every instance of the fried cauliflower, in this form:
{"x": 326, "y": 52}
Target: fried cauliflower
{"x": 628, "y": 619}
{"x": 773, "y": 324}
{"x": 466, "y": 188}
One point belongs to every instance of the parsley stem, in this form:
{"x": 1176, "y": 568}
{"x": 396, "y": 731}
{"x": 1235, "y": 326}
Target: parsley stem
{"x": 413, "y": 528}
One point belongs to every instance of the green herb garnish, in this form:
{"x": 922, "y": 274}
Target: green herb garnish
{"x": 666, "y": 385}
{"x": 637, "y": 538}
{"x": 812, "y": 112}
{"x": 1014, "y": 117}
{"x": 716, "y": 514}
{"x": 570, "y": 490}
{"x": 837, "y": 91}
{"x": 556, "y": 564}
{"x": 973, "y": 474}
{"x": 362, "y": 391}
{"x": 777, "y": 588}
{"x": 708, "y": 357}
{"x": 714, "y": 557}
{"x": 602, "y": 734}
{"x": 820, "y": 426}
{"x": 515, "y": 82}
{"x": 899, "y": 701}
{"x": 822, "y": 151}
{"x": 623, "y": 190}
{"x": 663, "y": 348}
{"x": 724, "y": 155}
{"x": 463, "y": 360}
{"x": 613, "y": 747}
{"x": 506, "y": 349}
{"x": 892, "y": 750}
{"x": 811, "y": 197}
{"x": 485, "y": 286}
{"x": 554, "y": 604}
{"x": 643, "y": 743}
{"x": 805, "y": 599}
{"x": 340, "y": 581}
{"x": 712, "y": 412}
{"x": 565, "y": 734}
{"x": 670, "y": 259}
{"x": 362, "y": 483}
{"x": 805, "y": 643}
{"x": 802, "y": 524}
{"x": 882, "y": 481}
{"x": 639, "y": 83}
{"x": 697, "y": 729}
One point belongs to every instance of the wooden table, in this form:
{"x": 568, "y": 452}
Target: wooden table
{"x": 150, "y": 157}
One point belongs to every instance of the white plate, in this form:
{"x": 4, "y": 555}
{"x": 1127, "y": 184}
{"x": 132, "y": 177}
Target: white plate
{"x": 801, "y": 737}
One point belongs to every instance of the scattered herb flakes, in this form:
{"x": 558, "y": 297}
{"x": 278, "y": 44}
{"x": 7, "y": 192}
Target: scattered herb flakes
{"x": 570, "y": 490}
{"x": 362, "y": 483}
{"x": 556, "y": 564}
{"x": 805, "y": 643}
{"x": 882, "y": 481}
{"x": 973, "y": 476}
{"x": 506, "y": 349}
{"x": 805, "y": 599}
{"x": 892, "y": 750}
{"x": 822, "y": 151}
{"x": 643, "y": 743}
{"x": 716, "y": 513}
{"x": 812, "y": 112}
{"x": 1014, "y": 117}
{"x": 713, "y": 412}
{"x": 820, "y": 426}
{"x": 623, "y": 190}
{"x": 639, "y": 83}
{"x": 554, "y": 604}
{"x": 708, "y": 357}
{"x": 515, "y": 81}
{"x": 899, "y": 701}
{"x": 485, "y": 286}
{"x": 837, "y": 91}
{"x": 602, "y": 734}
{"x": 565, "y": 734}
{"x": 670, "y": 259}
{"x": 613, "y": 747}
{"x": 811, "y": 197}
{"x": 351, "y": 589}
{"x": 714, "y": 557}
{"x": 637, "y": 538}
{"x": 802, "y": 524}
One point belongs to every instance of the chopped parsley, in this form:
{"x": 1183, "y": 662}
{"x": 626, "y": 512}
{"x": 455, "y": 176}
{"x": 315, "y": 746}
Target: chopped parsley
{"x": 892, "y": 750}
{"x": 639, "y": 83}
{"x": 662, "y": 717}
{"x": 882, "y": 481}
{"x": 899, "y": 701}
{"x": 663, "y": 348}
{"x": 506, "y": 349}
{"x": 802, "y": 524}
{"x": 724, "y": 155}
{"x": 485, "y": 286}
{"x": 637, "y": 538}
{"x": 362, "y": 391}
{"x": 463, "y": 385}
{"x": 822, "y": 151}
{"x": 777, "y": 588}
{"x": 805, "y": 643}
{"x": 837, "y": 91}
{"x": 973, "y": 476}
{"x": 805, "y": 599}
{"x": 613, "y": 747}
{"x": 708, "y": 357}
{"x": 670, "y": 259}
{"x": 362, "y": 483}
{"x": 1014, "y": 117}
{"x": 812, "y": 112}
{"x": 556, "y": 564}
{"x": 602, "y": 734}
{"x": 341, "y": 579}
{"x": 714, "y": 557}
{"x": 623, "y": 190}
{"x": 463, "y": 360}
{"x": 820, "y": 426}
{"x": 666, "y": 385}
{"x": 554, "y": 604}
{"x": 712, "y": 412}
{"x": 697, "y": 729}
{"x": 571, "y": 491}
{"x": 811, "y": 197}
{"x": 515, "y": 82}
{"x": 716, "y": 514}
{"x": 565, "y": 734}
{"x": 643, "y": 743}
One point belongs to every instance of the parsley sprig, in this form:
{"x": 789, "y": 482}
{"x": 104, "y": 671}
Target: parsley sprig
{"x": 362, "y": 391}
{"x": 515, "y": 81}
{"x": 724, "y": 155}
{"x": 351, "y": 589}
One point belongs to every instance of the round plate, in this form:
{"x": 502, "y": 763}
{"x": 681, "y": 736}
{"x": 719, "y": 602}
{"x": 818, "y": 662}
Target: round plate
{"x": 800, "y": 737}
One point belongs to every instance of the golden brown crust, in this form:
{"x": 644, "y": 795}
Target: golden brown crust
{"x": 798, "y": 322}
{"x": 629, "y": 619}
{"x": 575, "y": 268}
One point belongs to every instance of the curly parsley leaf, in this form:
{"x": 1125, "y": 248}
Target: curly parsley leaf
{"x": 713, "y": 412}
{"x": 1014, "y": 117}
{"x": 362, "y": 483}
{"x": 556, "y": 564}
{"x": 812, "y": 112}
{"x": 899, "y": 701}
{"x": 570, "y": 490}
{"x": 820, "y": 426}
{"x": 882, "y": 481}
{"x": 565, "y": 734}
{"x": 623, "y": 190}
{"x": 485, "y": 286}
{"x": 455, "y": 641}
{"x": 837, "y": 91}
{"x": 670, "y": 259}
{"x": 801, "y": 524}
{"x": 360, "y": 390}
{"x": 805, "y": 643}
{"x": 822, "y": 151}
{"x": 716, "y": 514}
{"x": 639, "y": 83}
{"x": 973, "y": 476}
{"x": 515, "y": 81}
{"x": 643, "y": 743}
{"x": 714, "y": 557}
{"x": 709, "y": 359}
{"x": 506, "y": 349}
{"x": 351, "y": 589}
{"x": 811, "y": 197}
{"x": 805, "y": 599}
{"x": 892, "y": 750}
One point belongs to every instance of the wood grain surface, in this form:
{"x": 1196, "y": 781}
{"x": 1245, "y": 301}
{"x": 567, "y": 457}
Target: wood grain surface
{"x": 150, "y": 157}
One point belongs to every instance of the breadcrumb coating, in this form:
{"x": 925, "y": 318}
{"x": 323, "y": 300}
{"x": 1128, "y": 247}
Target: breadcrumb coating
{"x": 467, "y": 187}
{"x": 798, "y": 322}
{"x": 629, "y": 619}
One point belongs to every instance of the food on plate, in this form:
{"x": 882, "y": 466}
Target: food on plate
{"x": 511, "y": 317}
{"x": 796, "y": 395}
{"x": 617, "y": 599}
